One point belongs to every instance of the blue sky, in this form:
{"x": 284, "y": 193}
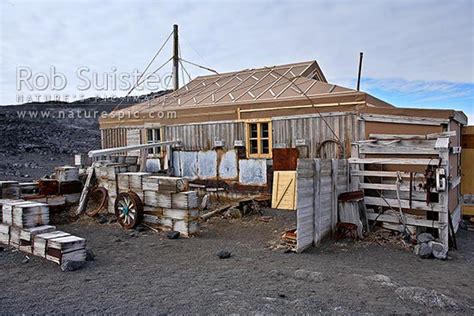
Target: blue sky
{"x": 416, "y": 53}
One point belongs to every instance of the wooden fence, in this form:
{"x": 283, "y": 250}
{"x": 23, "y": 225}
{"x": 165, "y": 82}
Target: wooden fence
{"x": 319, "y": 183}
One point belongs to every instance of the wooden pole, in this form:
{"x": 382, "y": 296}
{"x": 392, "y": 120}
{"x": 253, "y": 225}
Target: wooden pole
{"x": 175, "y": 58}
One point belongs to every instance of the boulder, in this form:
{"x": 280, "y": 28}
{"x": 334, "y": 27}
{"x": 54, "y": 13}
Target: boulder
{"x": 67, "y": 266}
{"x": 425, "y": 251}
{"x": 224, "y": 254}
{"x": 439, "y": 250}
{"x": 424, "y": 238}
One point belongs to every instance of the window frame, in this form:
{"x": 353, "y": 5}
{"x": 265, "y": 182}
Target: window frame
{"x": 259, "y": 138}
{"x": 157, "y": 151}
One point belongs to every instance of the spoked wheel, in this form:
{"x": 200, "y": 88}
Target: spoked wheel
{"x": 128, "y": 209}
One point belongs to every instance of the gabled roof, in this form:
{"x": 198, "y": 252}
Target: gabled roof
{"x": 277, "y": 83}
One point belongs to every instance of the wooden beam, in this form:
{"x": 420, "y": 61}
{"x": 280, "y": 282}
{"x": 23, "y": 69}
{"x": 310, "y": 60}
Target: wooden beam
{"x": 416, "y": 205}
{"x": 412, "y": 136}
{"x": 395, "y": 161}
{"x": 403, "y": 120}
{"x": 417, "y": 148}
{"x": 386, "y": 174}
{"x": 408, "y": 220}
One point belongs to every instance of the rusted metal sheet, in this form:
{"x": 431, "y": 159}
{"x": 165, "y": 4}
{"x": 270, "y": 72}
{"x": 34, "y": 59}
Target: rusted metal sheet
{"x": 253, "y": 171}
{"x": 285, "y": 159}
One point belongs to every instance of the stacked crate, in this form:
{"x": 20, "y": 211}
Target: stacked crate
{"x": 25, "y": 226}
{"x": 107, "y": 178}
{"x": 169, "y": 206}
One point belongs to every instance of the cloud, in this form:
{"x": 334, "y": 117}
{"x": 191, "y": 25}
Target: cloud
{"x": 426, "y": 45}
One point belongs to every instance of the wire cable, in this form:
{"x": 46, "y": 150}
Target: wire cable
{"x": 144, "y": 71}
{"x": 197, "y": 65}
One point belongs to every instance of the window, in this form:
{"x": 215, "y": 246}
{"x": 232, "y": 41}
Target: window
{"x": 259, "y": 141}
{"x": 153, "y": 135}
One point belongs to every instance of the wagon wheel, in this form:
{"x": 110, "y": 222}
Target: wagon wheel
{"x": 98, "y": 200}
{"x": 128, "y": 209}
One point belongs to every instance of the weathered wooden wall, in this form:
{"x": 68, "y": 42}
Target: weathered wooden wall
{"x": 202, "y": 136}
{"x": 319, "y": 183}
{"x": 315, "y": 130}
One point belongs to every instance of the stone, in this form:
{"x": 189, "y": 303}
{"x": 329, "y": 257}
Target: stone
{"x": 439, "y": 250}
{"x": 139, "y": 228}
{"x": 26, "y": 260}
{"x": 224, "y": 254}
{"x": 234, "y": 213}
{"x": 102, "y": 220}
{"x": 302, "y": 274}
{"x": 173, "y": 235}
{"x": 316, "y": 276}
{"x": 68, "y": 265}
{"x": 90, "y": 255}
{"x": 424, "y": 238}
{"x": 425, "y": 251}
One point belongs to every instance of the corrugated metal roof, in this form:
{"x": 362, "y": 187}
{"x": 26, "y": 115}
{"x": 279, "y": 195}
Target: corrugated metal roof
{"x": 284, "y": 82}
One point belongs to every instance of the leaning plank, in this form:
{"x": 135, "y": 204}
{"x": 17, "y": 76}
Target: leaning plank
{"x": 395, "y": 161}
{"x": 416, "y": 205}
{"x": 408, "y": 219}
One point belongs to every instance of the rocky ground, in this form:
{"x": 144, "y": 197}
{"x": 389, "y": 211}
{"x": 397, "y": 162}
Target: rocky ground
{"x": 144, "y": 273}
{"x": 36, "y": 137}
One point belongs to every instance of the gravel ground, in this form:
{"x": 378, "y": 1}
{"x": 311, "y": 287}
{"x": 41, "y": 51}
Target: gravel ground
{"x": 149, "y": 273}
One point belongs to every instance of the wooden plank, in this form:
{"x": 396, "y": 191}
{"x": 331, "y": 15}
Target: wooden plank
{"x": 412, "y": 136}
{"x": 408, "y": 220}
{"x": 386, "y": 174}
{"x": 416, "y": 205}
{"x": 403, "y": 120}
{"x": 396, "y": 161}
{"x": 398, "y": 148}
{"x": 284, "y": 190}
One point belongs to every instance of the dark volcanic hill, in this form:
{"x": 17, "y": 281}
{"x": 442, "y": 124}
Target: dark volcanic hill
{"x": 36, "y": 137}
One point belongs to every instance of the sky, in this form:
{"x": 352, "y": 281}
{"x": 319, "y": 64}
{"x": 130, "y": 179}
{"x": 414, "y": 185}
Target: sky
{"x": 416, "y": 53}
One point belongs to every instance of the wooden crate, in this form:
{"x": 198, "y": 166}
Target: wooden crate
{"x": 27, "y": 235}
{"x": 9, "y": 190}
{"x": 4, "y": 234}
{"x": 15, "y": 236}
{"x": 7, "y": 210}
{"x": 30, "y": 214}
{"x": 66, "y": 248}
{"x": 40, "y": 242}
{"x": 184, "y": 200}
{"x": 67, "y": 173}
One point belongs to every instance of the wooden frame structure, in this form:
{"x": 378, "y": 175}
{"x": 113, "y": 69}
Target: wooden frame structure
{"x": 404, "y": 174}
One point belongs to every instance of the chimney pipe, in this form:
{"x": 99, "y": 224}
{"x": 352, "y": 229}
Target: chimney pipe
{"x": 360, "y": 70}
